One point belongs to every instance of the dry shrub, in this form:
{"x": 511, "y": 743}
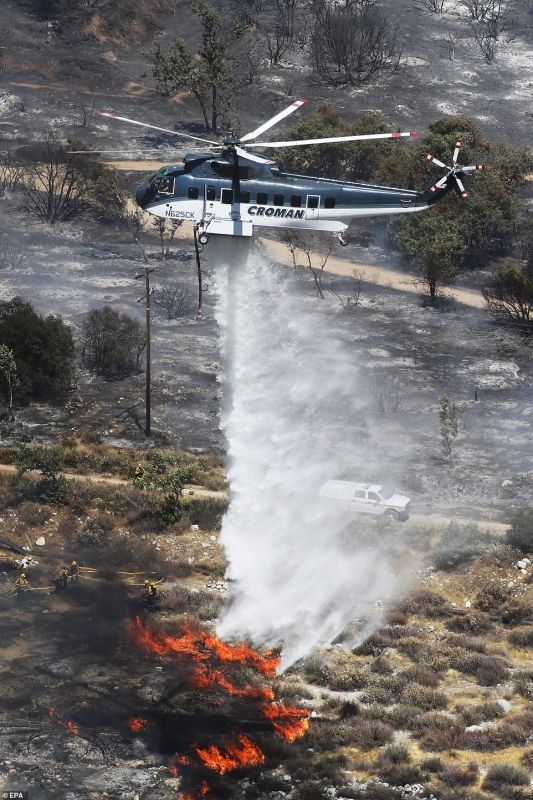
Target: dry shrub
{"x": 207, "y": 512}
{"x": 504, "y": 775}
{"x": 381, "y": 665}
{"x": 476, "y": 623}
{"x": 325, "y": 734}
{"x": 473, "y": 715}
{"x": 32, "y": 515}
{"x": 369, "y": 734}
{"x": 385, "y": 690}
{"x": 432, "y": 764}
{"x": 425, "y": 603}
{"x": 394, "y": 754}
{"x": 437, "y": 732}
{"x": 424, "y": 676}
{"x": 514, "y": 612}
{"x": 491, "y": 595}
{"x": 526, "y": 759}
{"x": 94, "y": 531}
{"x": 523, "y": 684}
{"x": 425, "y": 698}
{"x": 508, "y": 734}
{"x": 456, "y": 775}
{"x": 521, "y": 637}
{"x": 348, "y": 680}
{"x": 402, "y": 774}
{"x": 372, "y": 646}
{"x": 397, "y": 618}
{"x": 492, "y": 671}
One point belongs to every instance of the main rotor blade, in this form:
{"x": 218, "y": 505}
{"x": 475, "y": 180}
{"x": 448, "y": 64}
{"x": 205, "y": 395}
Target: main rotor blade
{"x": 461, "y": 188}
{"x": 266, "y": 125}
{"x": 456, "y": 151}
{"x": 473, "y": 167}
{"x": 252, "y": 156}
{"x": 435, "y": 161}
{"x": 155, "y": 127}
{"x": 440, "y": 183}
{"x": 305, "y": 142}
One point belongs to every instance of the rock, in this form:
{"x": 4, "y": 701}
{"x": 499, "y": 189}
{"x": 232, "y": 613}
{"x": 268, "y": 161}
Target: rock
{"x": 526, "y": 560}
{"x": 468, "y": 603}
{"x": 510, "y": 584}
{"x": 506, "y": 484}
{"x": 521, "y": 564}
{"x": 195, "y": 527}
{"x": 523, "y": 571}
{"x": 504, "y": 705}
{"x": 41, "y": 541}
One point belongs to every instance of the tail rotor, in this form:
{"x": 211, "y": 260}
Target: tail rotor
{"x": 452, "y": 172}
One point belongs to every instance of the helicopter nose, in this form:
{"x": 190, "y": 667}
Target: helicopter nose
{"x": 142, "y": 195}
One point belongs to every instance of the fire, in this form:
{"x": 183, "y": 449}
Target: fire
{"x": 288, "y": 721}
{"x": 136, "y": 724}
{"x": 198, "y": 645}
{"x": 70, "y": 727}
{"x": 237, "y": 752}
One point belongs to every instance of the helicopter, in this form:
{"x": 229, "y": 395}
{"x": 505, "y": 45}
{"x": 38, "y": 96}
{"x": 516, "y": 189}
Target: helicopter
{"x": 233, "y": 191}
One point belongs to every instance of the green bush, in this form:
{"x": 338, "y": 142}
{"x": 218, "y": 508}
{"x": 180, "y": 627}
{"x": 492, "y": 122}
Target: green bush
{"x": 520, "y": 534}
{"x": 502, "y": 775}
{"x": 460, "y": 543}
{"x": 207, "y": 512}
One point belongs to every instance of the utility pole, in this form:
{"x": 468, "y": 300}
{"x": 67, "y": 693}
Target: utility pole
{"x": 147, "y": 272}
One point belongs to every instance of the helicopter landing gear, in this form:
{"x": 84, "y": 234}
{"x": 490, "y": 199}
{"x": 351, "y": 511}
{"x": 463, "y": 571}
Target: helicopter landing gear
{"x": 343, "y": 241}
{"x": 203, "y": 238}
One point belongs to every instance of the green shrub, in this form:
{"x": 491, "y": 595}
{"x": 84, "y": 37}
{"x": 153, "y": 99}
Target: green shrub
{"x": 460, "y": 543}
{"x": 395, "y": 754}
{"x": 432, "y": 764}
{"x": 520, "y": 534}
{"x": 473, "y": 715}
{"x": 501, "y": 775}
{"x": 207, "y": 512}
{"x": 491, "y": 671}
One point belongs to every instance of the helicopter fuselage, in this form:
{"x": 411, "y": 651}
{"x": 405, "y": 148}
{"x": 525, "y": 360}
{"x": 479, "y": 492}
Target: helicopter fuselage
{"x": 230, "y": 195}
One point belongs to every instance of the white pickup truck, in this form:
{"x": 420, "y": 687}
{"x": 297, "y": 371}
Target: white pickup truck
{"x": 364, "y": 498}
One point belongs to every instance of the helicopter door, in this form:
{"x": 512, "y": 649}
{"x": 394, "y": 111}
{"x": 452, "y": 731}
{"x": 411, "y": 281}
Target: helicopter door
{"x": 313, "y": 202}
{"x": 209, "y": 201}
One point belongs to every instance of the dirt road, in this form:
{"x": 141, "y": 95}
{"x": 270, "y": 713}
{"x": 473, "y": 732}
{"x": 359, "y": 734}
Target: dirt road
{"x": 379, "y": 275}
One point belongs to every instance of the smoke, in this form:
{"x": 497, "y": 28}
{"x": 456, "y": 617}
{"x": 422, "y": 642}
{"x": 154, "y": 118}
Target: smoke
{"x": 292, "y": 397}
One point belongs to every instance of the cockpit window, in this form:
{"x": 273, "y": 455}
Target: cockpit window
{"x": 166, "y": 185}
{"x": 223, "y": 169}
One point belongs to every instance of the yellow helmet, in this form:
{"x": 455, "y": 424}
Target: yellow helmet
{"x": 22, "y": 574}
{"x": 74, "y": 563}
{"x": 147, "y": 581}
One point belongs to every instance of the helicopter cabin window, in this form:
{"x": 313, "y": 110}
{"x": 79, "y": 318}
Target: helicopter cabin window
{"x": 312, "y": 201}
{"x": 223, "y": 169}
{"x": 210, "y": 193}
{"x": 227, "y": 196}
{"x": 262, "y": 198}
{"x": 279, "y": 199}
{"x": 329, "y": 202}
{"x": 245, "y": 197}
{"x": 296, "y": 200}
{"x": 193, "y": 193}
{"x": 249, "y": 173}
{"x": 166, "y": 185}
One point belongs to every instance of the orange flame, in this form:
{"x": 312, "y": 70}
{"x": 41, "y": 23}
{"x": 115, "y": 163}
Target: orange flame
{"x": 136, "y": 724}
{"x": 289, "y": 721}
{"x": 71, "y": 728}
{"x": 213, "y": 660}
{"x": 237, "y": 752}
{"x": 198, "y": 645}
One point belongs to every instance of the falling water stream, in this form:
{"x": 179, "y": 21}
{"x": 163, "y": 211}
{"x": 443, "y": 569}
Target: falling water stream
{"x": 291, "y": 398}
